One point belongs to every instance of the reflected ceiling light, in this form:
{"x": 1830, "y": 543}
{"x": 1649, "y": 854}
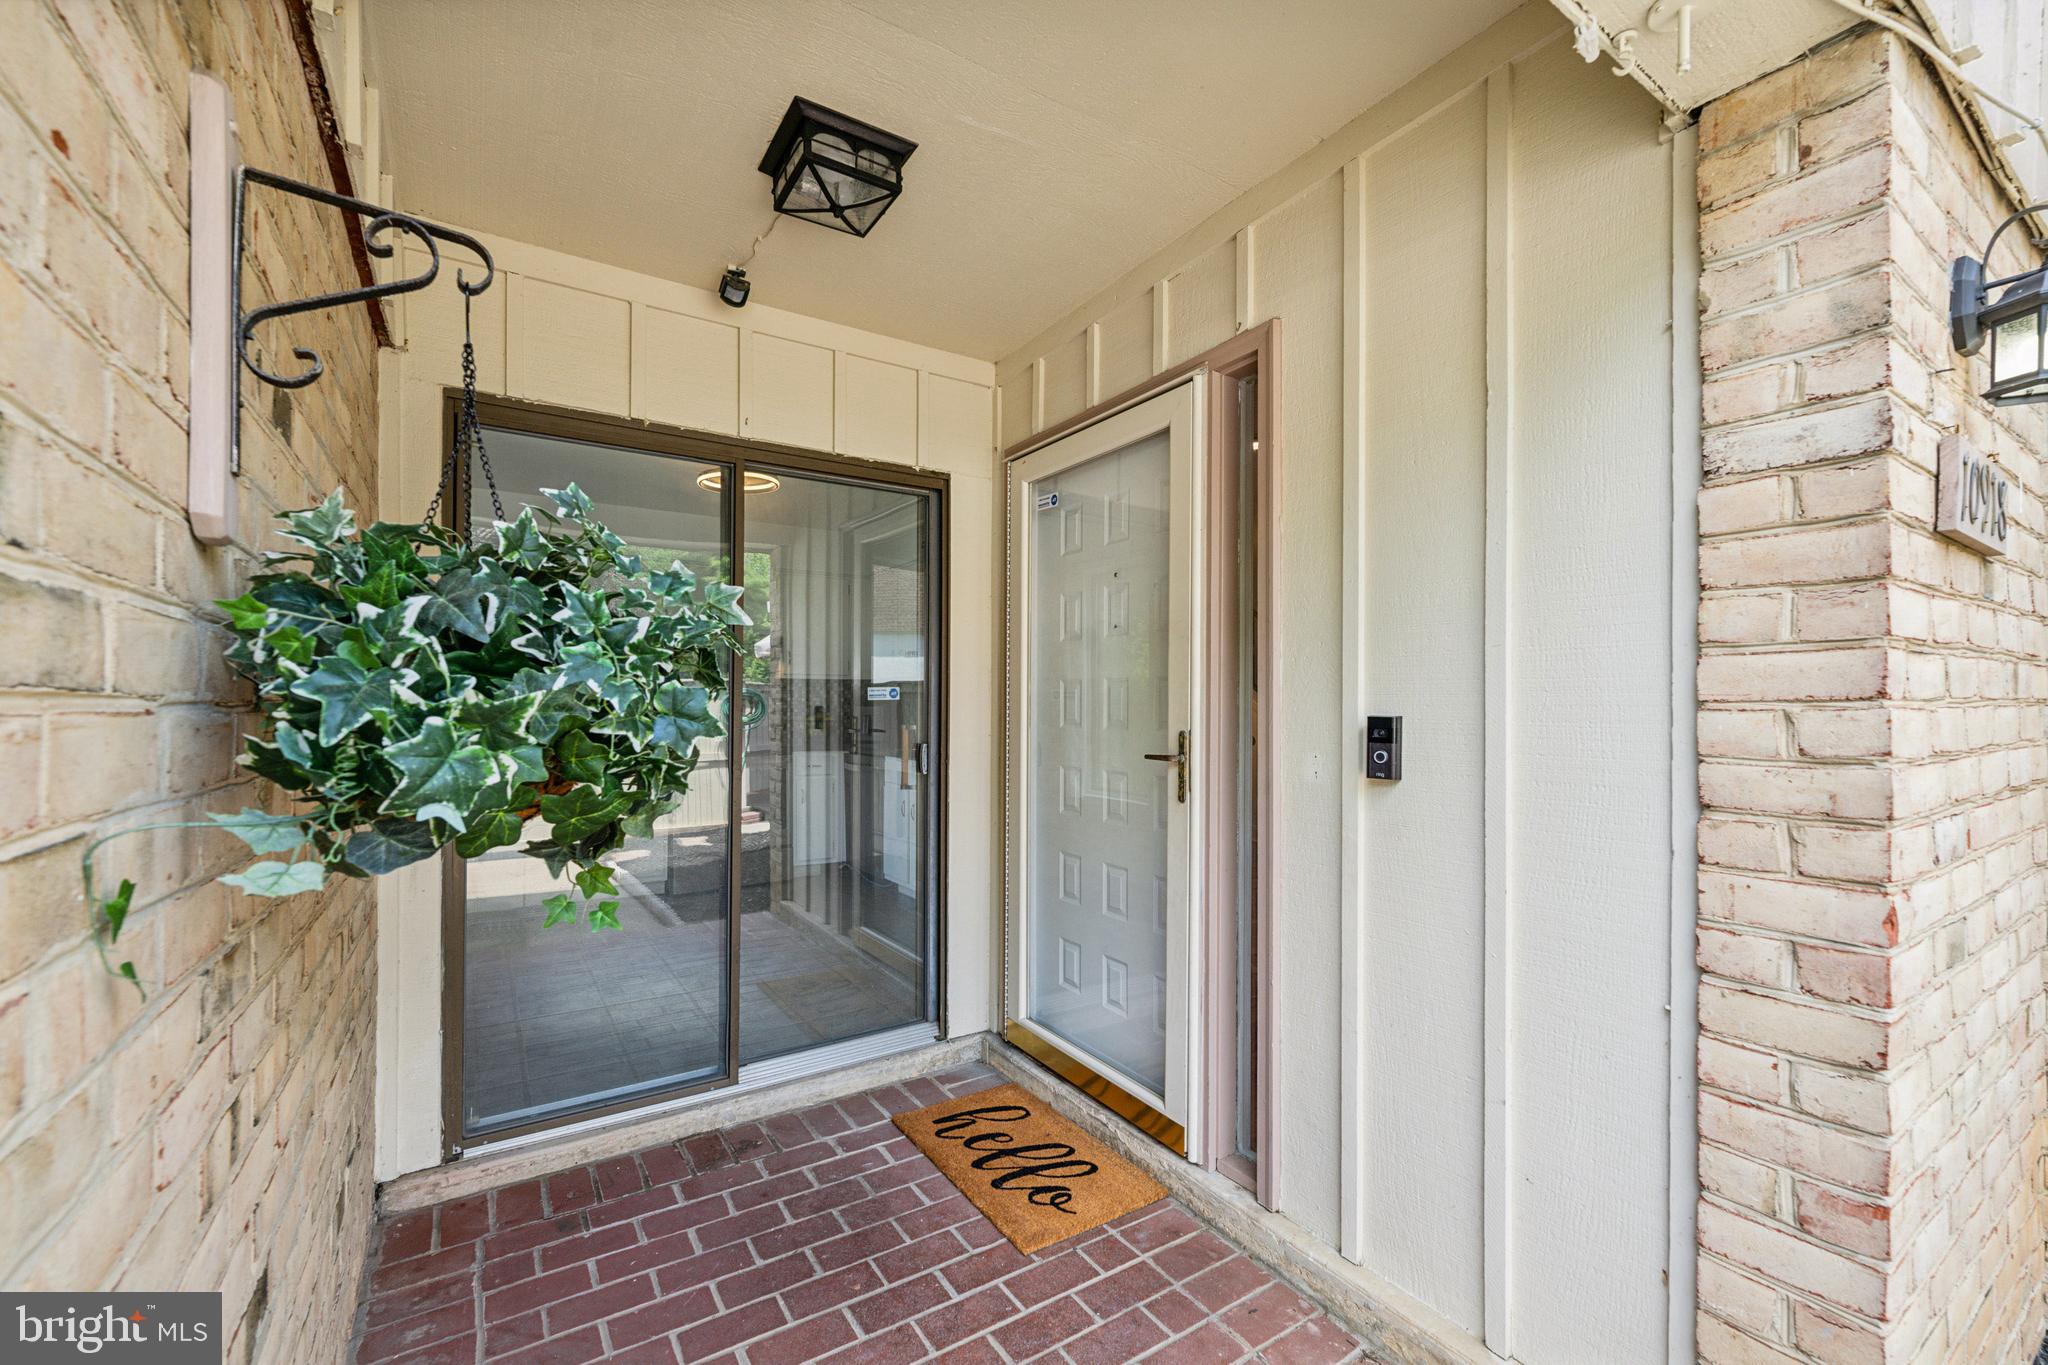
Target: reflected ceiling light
{"x": 833, "y": 169}
{"x": 713, "y": 480}
{"x": 2016, "y": 324}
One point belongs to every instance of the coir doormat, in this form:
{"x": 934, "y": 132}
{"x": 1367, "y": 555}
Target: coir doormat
{"x": 1037, "y": 1176}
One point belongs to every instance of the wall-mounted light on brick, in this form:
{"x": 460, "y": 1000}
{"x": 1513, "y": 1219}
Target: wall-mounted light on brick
{"x": 2016, "y": 323}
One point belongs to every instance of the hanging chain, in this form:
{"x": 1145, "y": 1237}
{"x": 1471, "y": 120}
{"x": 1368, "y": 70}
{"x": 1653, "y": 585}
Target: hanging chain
{"x": 469, "y": 436}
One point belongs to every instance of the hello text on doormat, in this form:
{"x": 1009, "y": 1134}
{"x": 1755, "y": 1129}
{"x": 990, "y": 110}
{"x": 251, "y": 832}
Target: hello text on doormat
{"x": 1031, "y": 1172}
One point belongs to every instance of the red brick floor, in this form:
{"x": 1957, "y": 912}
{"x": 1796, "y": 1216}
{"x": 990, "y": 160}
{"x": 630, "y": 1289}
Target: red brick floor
{"x": 816, "y": 1235}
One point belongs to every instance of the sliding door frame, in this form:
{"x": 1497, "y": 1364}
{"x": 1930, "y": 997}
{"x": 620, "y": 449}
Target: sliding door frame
{"x": 735, "y": 457}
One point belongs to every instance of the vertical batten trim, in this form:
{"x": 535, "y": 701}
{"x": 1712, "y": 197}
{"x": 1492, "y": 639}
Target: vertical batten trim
{"x": 515, "y": 348}
{"x": 1685, "y": 797}
{"x": 995, "y": 429}
{"x": 839, "y": 380}
{"x": 1351, "y": 892}
{"x": 1093, "y": 342}
{"x": 1162, "y": 315}
{"x": 632, "y": 336}
{"x": 1038, "y": 395}
{"x": 1500, "y": 357}
{"x": 746, "y": 379}
{"x": 636, "y": 318}
{"x": 1246, "y": 255}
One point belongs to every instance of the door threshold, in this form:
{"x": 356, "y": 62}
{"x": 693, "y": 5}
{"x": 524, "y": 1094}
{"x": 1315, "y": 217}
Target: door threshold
{"x": 799, "y": 1080}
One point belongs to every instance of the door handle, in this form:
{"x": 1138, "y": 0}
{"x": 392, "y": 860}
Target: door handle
{"x": 1180, "y": 760}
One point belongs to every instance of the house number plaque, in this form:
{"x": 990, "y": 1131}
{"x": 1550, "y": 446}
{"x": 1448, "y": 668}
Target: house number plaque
{"x": 1972, "y": 497}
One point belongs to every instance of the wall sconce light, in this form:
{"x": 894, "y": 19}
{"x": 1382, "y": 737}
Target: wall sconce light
{"x": 2016, "y": 324}
{"x": 713, "y": 481}
{"x": 733, "y": 287}
{"x": 833, "y": 169}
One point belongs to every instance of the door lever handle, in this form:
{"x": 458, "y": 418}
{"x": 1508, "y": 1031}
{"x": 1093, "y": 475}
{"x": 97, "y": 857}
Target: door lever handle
{"x": 1179, "y": 758}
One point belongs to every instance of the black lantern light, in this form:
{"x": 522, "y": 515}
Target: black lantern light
{"x": 2016, "y": 324}
{"x": 833, "y": 169}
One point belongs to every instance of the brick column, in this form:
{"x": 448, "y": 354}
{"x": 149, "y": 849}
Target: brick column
{"x": 1871, "y": 758}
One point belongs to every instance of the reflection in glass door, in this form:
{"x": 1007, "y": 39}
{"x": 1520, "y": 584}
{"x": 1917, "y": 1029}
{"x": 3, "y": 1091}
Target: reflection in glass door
{"x": 788, "y": 902}
{"x": 562, "y": 1021}
{"x": 835, "y": 929}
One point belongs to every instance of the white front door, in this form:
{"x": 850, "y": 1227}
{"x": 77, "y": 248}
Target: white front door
{"x": 1104, "y": 773}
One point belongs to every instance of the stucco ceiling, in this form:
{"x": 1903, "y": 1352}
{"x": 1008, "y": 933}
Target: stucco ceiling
{"x": 1061, "y": 141}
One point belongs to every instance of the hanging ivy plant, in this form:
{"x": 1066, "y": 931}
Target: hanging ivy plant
{"x": 419, "y": 690}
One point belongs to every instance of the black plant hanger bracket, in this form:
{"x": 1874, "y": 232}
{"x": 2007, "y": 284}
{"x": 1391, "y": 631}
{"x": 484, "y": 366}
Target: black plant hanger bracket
{"x": 381, "y": 222}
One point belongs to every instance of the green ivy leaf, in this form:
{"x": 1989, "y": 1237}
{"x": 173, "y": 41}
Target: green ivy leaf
{"x": 584, "y": 664}
{"x": 581, "y": 613}
{"x": 521, "y": 542}
{"x": 245, "y": 613}
{"x": 445, "y": 813}
{"x": 349, "y": 695}
{"x": 320, "y": 527}
{"x": 580, "y": 812}
{"x": 267, "y": 760}
{"x": 683, "y": 716}
{"x": 115, "y": 908}
{"x": 499, "y": 829}
{"x": 640, "y": 824}
{"x": 561, "y": 910}
{"x": 292, "y": 744}
{"x": 459, "y": 603}
{"x": 604, "y": 915}
{"x": 674, "y": 581}
{"x": 296, "y": 595}
{"x": 279, "y": 879}
{"x": 582, "y": 758}
{"x": 262, "y": 831}
{"x": 722, "y": 600}
{"x": 501, "y": 723}
{"x": 621, "y": 636}
{"x": 380, "y": 589}
{"x": 438, "y": 765}
{"x": 524, "y": 763}
{"x": 594, "y": 880}
{"x": 389, "y": 845}
{"x": 572, "y": 502}
{"x": 290, "y": 644}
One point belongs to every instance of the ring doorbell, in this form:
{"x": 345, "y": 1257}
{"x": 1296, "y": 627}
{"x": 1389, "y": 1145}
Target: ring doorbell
{"x": 1383, "y": 748}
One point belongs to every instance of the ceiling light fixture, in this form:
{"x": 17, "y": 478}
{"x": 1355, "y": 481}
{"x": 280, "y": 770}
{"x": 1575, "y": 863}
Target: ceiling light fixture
{"x": 713, "y": 480}
{"x": 833, "y": 169}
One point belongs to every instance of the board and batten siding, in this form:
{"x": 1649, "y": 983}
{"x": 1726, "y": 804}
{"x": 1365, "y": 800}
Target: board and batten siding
{"x": 575, "y": 333}
{"x": 1481, "y": 486}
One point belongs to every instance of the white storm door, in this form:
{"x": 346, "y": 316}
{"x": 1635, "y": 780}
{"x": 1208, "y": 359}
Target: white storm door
{"x": 1104, "y": 790}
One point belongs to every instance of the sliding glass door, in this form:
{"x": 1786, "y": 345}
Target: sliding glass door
{"x": 834, "y": 934}
{"x": 563, "y": 1020}
{"x": 787, "y": 903}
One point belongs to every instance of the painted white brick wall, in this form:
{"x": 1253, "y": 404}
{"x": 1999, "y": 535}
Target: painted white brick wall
{"x": 1871, "y": 849}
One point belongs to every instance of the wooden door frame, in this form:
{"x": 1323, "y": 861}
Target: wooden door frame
{"x": 1254, "y": 352}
